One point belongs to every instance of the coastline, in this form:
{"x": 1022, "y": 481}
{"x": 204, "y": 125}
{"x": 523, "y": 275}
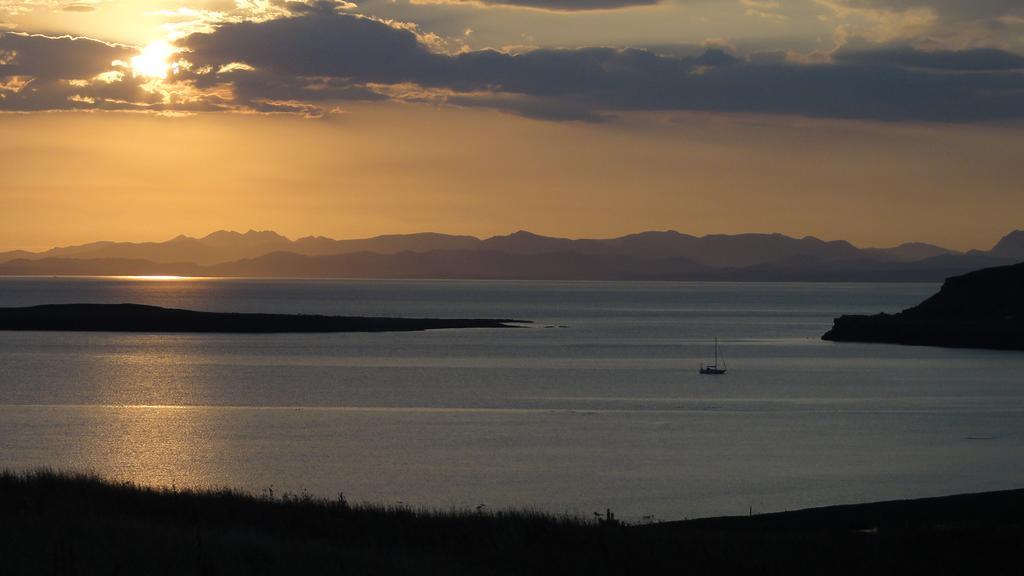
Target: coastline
{"x": 142, "y": 318}
{"x": 982, "y": 309}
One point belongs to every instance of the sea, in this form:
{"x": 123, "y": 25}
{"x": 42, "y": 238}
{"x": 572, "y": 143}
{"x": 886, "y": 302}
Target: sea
{"x": 596, "y": 404}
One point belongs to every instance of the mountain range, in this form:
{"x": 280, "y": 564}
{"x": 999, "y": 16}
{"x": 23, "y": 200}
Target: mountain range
{"x": 655, "y": 255}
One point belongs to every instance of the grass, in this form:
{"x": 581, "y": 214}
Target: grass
{"x": 59, "y": 523}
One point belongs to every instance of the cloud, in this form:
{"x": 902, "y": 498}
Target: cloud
{"x": 78, "y": 7}
{"x": 977, "y": 59}
{"x": 953, "y": 23}
{"x": 764, "y": 9}
{"x": 41, "y": 73}
{"x": 946, "y": 9}
{"x": 17, "y": 7}
{"x": 538, "y": 108}
{"x": 309, "y": 61}
{"x": 318, "y": 44}
{"x": 50, "y": 57}
{"x": 552, "y": 5}
{"x": 185, "y": 20}
{"x": 588, "y": 83}
{"x": 250, "y": 87}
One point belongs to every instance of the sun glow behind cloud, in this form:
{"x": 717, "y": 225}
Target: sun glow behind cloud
{"x": 155, "y": 61}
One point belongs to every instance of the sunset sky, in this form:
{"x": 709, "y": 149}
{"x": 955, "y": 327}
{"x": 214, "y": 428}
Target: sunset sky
{"x": 875, "y": 121}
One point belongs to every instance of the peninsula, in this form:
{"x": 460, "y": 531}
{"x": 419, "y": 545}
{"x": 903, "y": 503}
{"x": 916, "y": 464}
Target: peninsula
{"x": 140, "y": 318}
{"x": 982, "y": 309}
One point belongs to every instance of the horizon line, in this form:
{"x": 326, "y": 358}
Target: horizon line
{"x": 183, "y": 236}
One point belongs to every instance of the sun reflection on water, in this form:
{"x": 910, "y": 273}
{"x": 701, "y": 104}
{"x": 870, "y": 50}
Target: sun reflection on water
{"x": 151, "y": 445}
{"x": 157, "y": 278}
{"x": 151, "y": 427}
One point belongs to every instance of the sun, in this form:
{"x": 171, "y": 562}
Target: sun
{"x": 154, "y": 61}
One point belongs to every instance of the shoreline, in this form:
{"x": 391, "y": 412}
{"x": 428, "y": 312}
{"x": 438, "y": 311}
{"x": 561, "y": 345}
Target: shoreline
{"x": 142, "y": 318}
{"x": 983, "y": 309}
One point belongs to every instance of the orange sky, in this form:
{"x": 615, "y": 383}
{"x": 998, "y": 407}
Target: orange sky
{"x": 78, "y": 177}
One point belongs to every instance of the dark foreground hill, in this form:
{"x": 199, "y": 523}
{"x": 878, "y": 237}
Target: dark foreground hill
{"x": 61, "y": 524}
{"x": 139, "y": 318}
{"x": 983, "y": 309}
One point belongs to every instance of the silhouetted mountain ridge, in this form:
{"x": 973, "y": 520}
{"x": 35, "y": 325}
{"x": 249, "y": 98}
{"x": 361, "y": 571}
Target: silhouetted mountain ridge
{"x": 664, "y": 255}
{"x": 908, "y": 252}
{"x": 718, "y": 250}
{"x": 1010, "y": 246}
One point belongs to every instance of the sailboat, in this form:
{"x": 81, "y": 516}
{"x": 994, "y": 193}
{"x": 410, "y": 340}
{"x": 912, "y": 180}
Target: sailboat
{"x": 713, "y": 368}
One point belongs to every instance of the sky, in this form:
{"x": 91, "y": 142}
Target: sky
{"x": 874, "y": 121}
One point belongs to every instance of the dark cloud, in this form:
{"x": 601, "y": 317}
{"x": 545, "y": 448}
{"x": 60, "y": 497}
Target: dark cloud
{"x": 587, "y": 83}
{"x": 538, "y": 108}
{"x": 848, "y": 91}
{"x": 41, "y": 95}
{"x": 364, "y": 50}
{"x": 316, "y": 44}
{"x": 564, "y": 5}
{"x": 250, "y": 86}
{"x": 302, "y": 63}
{"x": 979, "y": 59}
{"x": 57, "y": 57}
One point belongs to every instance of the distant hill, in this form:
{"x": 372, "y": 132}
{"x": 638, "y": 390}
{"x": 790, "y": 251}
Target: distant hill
{"x": 715, "y": 250}
{"x": 908, "y": 252}
{"x": 387, "y": 244}
{"x": 1011, "y": 246}
{"x": 655, "y": 255}
{"x": 225, "y": 246}
{"x": 222, "y": 246}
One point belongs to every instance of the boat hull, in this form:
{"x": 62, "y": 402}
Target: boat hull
{"x": 712, "y": 370}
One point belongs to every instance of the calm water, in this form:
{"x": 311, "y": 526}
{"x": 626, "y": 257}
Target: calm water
{"x": 607, "y": 411}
